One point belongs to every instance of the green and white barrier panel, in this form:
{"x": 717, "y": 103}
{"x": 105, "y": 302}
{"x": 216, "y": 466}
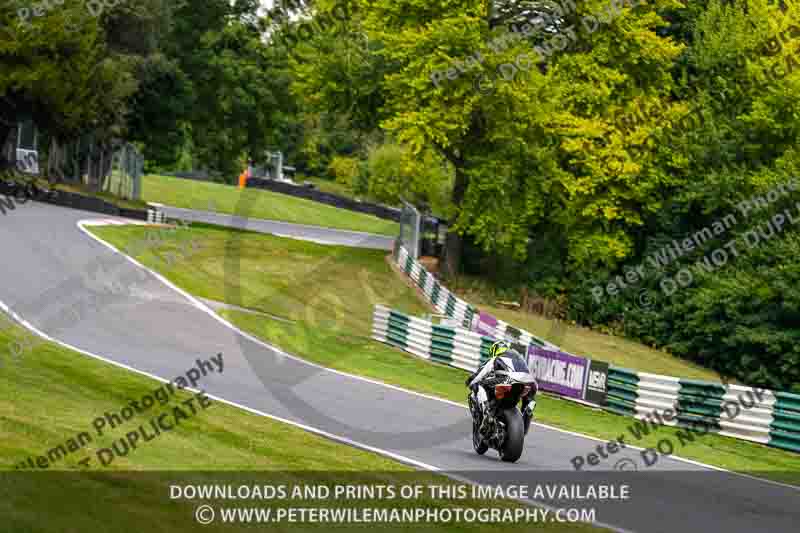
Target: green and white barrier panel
{"x": 507, "y": 331}
{"x": 154, "y": 216}
{"x": 785, "y": 427}
{"x": 752, "y": 414}
{"x": 623, "y": 391}
{"x": 747, "y": 413}
{"x": 454, "y": 307}
{"x": 456, "y": 347}
{"x": 453, "y": 346}
{"x": 445, "y": 301}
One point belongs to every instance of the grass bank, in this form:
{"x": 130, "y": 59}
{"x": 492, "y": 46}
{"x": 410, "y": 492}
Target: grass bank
{"x": 327, "y": 295}
{"x": 221, "y": 198}
{"x": 617, "y": 350}
{"x": 50, "y": 394}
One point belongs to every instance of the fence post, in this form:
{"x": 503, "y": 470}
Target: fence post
{"x": 410, "y": 226}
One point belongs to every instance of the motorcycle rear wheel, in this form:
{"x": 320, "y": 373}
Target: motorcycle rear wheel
{"x": 511, "y": 450}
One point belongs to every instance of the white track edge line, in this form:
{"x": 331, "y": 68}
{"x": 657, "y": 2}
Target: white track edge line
{"x": 220, "y": 319}
{"x": 310, "y": 429}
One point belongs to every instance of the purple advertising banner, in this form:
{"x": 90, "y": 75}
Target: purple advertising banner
{"x": 558, "y": 372}
{"x": 487, "y": 325}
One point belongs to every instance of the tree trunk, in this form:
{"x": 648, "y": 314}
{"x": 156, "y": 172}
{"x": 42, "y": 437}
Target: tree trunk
{"x": 108, "y": 157}
{"x": 95, "y": 160}
{"x": 453, "y": 241}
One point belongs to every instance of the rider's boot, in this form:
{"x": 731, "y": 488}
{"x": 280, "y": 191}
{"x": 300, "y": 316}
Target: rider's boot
{"x": 484, "y": 429}
{"x": 527, "y": 415}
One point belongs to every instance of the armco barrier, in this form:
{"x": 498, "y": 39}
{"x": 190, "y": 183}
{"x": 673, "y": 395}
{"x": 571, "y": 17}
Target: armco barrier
{"x": 299, "y": 191}
{"x": 623, "y": 391}
{"x": 68, "y": 199}
{"x": 456, "y": 347}
{"x": 155, "y": 216}
{"x": 741, "y": 412}
{"x": 746, "y": 413}
{"x": 452, "y": 306}
{"x": 785, "y": 428}
{"x": 442, "y": 299}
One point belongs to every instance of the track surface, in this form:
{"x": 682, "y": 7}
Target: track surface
{"x": 284, "y": 229}
{"x": 155, "y": 329}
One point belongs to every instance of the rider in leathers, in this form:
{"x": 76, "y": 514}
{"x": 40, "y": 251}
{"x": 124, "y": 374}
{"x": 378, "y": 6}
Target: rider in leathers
{"x": 474, "y": 382}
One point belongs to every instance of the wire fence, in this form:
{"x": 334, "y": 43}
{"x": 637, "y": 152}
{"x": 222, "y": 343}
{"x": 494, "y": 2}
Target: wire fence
{"x": 410, "y": 226}
{"x": 125, "y": 178}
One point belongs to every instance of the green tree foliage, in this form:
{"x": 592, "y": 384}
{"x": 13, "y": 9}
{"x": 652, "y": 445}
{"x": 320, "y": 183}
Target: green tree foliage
{"x": 345, "y": 170}
{"x": 734, "y": 137}
{"x": 424, "y": 180}
{"x": 565, "y": 165}
{"x": 55, "y": 76}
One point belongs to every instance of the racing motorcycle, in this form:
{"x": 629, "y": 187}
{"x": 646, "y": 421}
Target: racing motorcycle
{"x": 508, "y": 384}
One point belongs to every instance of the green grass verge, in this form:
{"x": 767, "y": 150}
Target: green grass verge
{"x": 576, "y": 339}
{"x": 328, "y": 293}
{"x": 616, "y": 350}
{"x": 209, "y": 196}
{"x": 50, "y": 394}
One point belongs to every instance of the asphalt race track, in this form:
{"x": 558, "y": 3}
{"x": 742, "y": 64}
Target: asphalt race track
{"x": 153, "y": 328}
{"x": 284, "y": 229}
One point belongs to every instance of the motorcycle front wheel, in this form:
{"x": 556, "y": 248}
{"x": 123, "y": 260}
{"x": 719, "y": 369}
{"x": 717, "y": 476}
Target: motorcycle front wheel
{"x": 511, "y": 450}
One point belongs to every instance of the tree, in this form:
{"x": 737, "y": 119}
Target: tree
{"x": 533, "y": 146}
{"x": 48, "y": 73}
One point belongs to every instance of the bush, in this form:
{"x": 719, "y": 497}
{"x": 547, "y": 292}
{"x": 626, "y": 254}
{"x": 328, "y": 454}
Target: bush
{"x": 742, "y": 319}
{"x": 423, "y": 180}
{"x": 385, "y": 164}
{"x": 745, "y": 322}
{"x": 345, "y": 170}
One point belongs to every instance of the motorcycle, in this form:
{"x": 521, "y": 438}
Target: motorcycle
{"x": 509, "y": 384}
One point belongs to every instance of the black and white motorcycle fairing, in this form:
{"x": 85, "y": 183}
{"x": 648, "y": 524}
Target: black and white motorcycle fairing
{"x": 502, "y": 400}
